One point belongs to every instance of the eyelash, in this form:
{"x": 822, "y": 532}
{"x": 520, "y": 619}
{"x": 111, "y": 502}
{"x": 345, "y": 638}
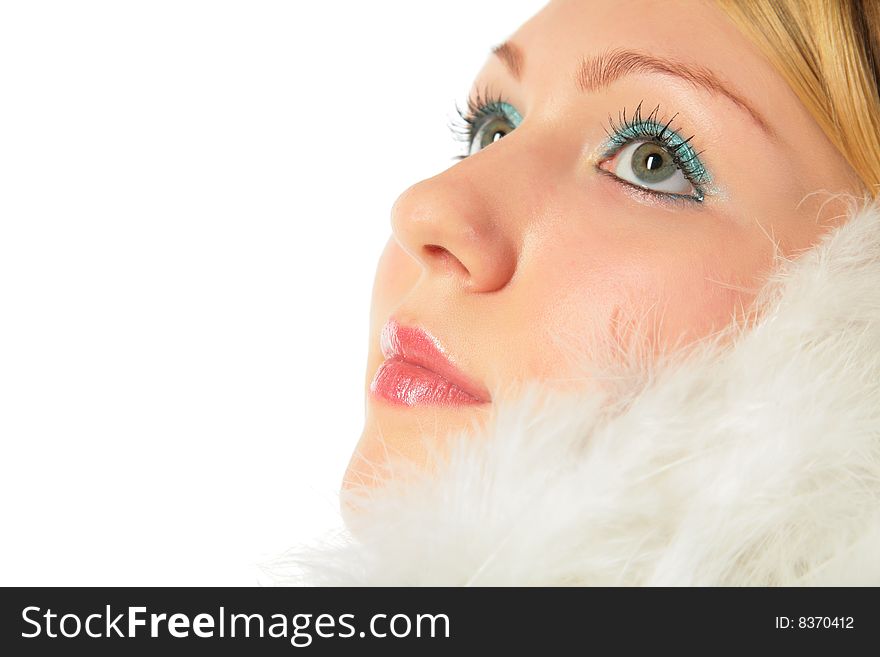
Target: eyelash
{"x": 651, "y": 128}
{"x": 484, "y": 103}
{"x": 479, "y": 105}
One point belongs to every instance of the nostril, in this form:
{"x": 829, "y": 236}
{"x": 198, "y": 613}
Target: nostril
{"x": 443, "y": 256}
{"x": 435, "y": 250}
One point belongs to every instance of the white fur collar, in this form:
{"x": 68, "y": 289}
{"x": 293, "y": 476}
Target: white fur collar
{"x": 752, "y": 464}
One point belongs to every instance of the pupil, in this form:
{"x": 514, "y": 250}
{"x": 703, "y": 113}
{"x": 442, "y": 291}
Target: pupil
{"x": 498, "y": 135}
{"x": 653, "y": 162}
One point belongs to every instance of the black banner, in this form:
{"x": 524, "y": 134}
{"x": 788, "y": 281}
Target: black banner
{"x": 277, "y": 621}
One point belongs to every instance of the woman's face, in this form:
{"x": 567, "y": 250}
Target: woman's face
{"x": 652, "y": 160}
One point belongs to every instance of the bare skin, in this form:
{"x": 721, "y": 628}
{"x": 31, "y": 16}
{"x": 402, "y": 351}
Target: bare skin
{"x": 534, "y": 236}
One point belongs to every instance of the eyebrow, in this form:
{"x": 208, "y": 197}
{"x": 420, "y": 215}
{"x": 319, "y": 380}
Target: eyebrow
{"x": 509, "y": 53}
{"x": 598, "y": 71}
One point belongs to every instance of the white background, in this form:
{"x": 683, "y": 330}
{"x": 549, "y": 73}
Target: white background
{"x": 193, "y": 196}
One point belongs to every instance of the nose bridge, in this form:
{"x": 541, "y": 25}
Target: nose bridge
{"x": 465, "y": 219}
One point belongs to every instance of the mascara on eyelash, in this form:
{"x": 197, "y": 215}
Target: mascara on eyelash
{"x": 481, "y": 103}
{"x": 652, "y": 128}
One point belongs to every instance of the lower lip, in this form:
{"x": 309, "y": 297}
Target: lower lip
{"x": 405, "y": 384}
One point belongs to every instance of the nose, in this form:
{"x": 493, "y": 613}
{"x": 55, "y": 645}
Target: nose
{"x": 450, "y": 227}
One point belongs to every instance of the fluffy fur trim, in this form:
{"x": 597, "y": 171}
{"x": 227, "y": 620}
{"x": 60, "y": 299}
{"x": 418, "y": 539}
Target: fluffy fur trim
{"x": 754, "y": 459}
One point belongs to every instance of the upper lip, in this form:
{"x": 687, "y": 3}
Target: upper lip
{"x": 415, "y": 345}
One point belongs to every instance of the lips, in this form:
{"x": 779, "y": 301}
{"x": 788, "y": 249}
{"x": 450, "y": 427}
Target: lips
{"x": 417, "y": 371}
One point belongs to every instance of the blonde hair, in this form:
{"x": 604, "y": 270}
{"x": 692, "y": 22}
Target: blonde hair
{"x": 829, "y": 52}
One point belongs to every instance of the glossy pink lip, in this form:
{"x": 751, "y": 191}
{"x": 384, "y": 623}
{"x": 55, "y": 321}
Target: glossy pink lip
{"x": 417, "y": 372}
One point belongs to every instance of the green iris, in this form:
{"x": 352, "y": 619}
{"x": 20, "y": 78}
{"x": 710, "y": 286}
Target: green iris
{"x": 652, "y": 163}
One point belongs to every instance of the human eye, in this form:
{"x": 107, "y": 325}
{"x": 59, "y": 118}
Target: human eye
{"x": 648, "y": 153}
{"x": 487, "y": 118}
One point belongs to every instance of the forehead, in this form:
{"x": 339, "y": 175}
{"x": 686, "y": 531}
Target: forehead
{"x": 555, "y": 40}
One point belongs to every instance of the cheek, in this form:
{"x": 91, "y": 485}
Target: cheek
{"x": 706, "y": 289}
{"x": 690, "y": 289}
{"x": 641, "y": 288}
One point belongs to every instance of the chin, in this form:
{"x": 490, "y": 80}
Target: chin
{"x": 398, "y": 437}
